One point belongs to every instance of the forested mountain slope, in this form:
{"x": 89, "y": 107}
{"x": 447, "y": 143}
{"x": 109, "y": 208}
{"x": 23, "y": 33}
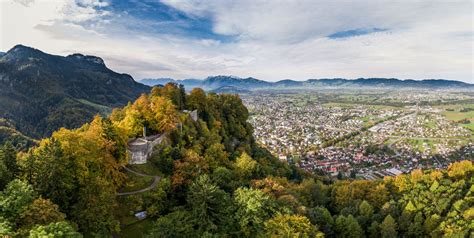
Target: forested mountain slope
{"x": 40, "y": 93}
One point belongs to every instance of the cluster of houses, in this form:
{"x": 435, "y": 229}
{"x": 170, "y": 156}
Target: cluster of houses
{"x": 404, "y": 138}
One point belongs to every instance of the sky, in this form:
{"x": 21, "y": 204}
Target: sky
{"x": 269, "y": 40}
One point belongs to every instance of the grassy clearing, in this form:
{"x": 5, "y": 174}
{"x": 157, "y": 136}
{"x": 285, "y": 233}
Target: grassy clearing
{"x": 431, "y": 124}
{"x": 135, "y": 182}
{"x": 147, "y": 168}
{"x": 104, "y": 110}
{"x": 137, "y": 229}
{"x": 423, "y": 144}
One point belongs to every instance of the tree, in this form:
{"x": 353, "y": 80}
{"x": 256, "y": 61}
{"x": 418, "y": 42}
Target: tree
{"x": 210, "y": 206}
{"x": 354, "y": 227}
{"x": 6, "y": 228}
{"x": 216, "y": 155}
{"x": 156, "y": 201}
{"x": 52, "y": 173}
{"x": 223, "y": 177}
{"x": 365, "y": 209}
{"x": 5, "y": 175}
{"x": 461, "y": 169}
{"x": 55, "y": 230}
{"x": 164, "y": 113}
{"x": 388, "y": 228}
{"x": 94, "y": 210}
{"x": 379, "y": 195}
{"x": 416, "y": 227}
{"x": 366, "y": 212}
{"x": 313, "y": 193}
{"x": 341, "y": 194}
{"x": 348, "y": 227}
{"x": 15, "y": 198}
{"x": 40, "y": 212}
{"x": 176, "y": 224}
{"x": 322, "y": 217}
{"x": 373, "y": 230}
{"x": 253, "y": 208}
{"x": 197, "y": 100}
{"x": 291, "y": 226}
{"x": 8, "y": 156}
{"x": 245, "y": 165}
{"x": 188, "y": 168}
{"x": 431, "y": 223}
{"x": 8, "y": 164}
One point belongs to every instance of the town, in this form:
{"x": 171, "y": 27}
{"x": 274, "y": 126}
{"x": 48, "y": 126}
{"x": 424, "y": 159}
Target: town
{"x": 364, "y": 135}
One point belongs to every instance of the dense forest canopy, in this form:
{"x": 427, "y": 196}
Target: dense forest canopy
{"x": 215, "y": 182}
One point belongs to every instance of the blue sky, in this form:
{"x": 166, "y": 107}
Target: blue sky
{"x": 270, "y": 40}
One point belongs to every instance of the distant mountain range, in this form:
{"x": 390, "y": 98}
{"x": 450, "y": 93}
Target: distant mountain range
{"x": 216, "y": 82}
{"x": 40, "y": 93}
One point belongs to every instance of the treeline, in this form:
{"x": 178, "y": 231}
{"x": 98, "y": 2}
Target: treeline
{"x": 216, "y": 182}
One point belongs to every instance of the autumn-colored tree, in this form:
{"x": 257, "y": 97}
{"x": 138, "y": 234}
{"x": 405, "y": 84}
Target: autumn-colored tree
{"x": 40, "y": 212}
{"x": 164, "y": 114}
{"x": 290, "y": 226}
{"x": 341, "y": 194}
{"x": 188, "y": 168}
{"x": 98, "y": 148}
{"x": 379, "y": 195}
{"x": 245, "y": 165}
{"x": 461, "y": 169}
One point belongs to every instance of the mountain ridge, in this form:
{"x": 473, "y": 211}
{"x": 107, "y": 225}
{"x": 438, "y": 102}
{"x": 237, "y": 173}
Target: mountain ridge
{"x": 214, "y": 82}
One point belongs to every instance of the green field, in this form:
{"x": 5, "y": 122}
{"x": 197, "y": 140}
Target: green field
{"x": 457, "y": 115}
{"x": 453, "y": 113}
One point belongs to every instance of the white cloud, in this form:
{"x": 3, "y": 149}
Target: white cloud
{"x": 274, "y": 39}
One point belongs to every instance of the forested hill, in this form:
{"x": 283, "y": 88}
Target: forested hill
{"x": 40, "y": 93}
{"x": 215, "y": 181}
